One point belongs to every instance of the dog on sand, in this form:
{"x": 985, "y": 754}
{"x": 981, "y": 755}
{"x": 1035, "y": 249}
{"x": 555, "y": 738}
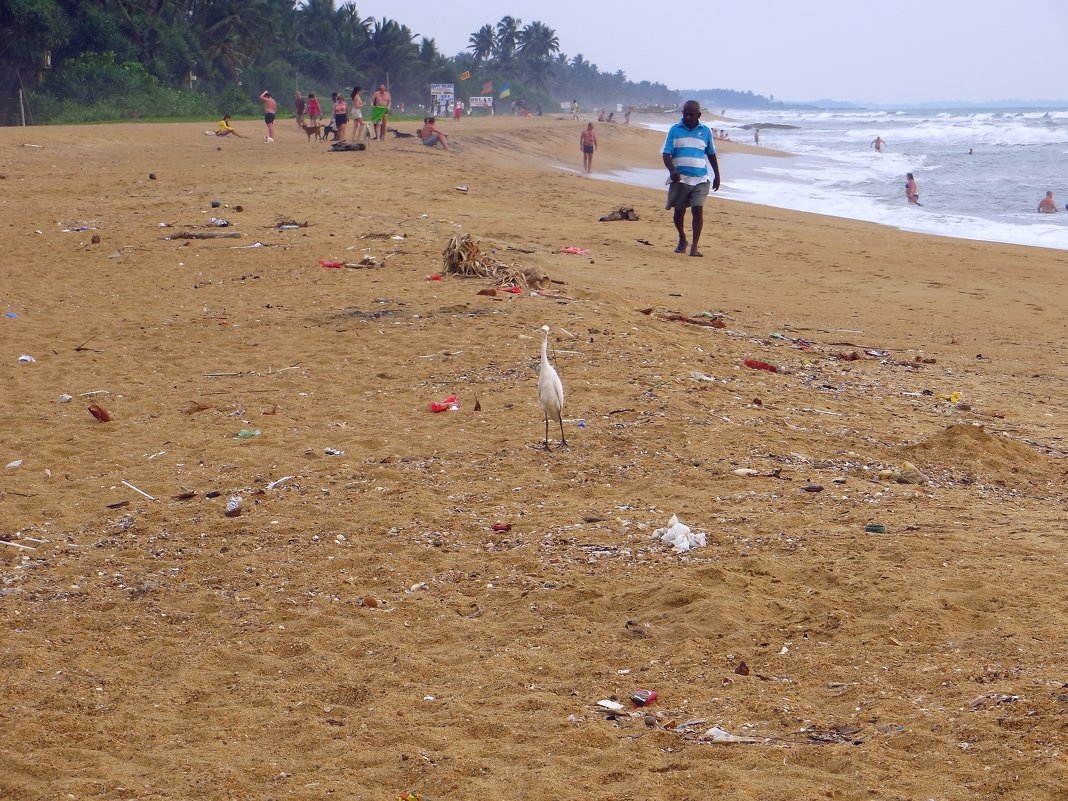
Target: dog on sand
{"x": 313, "y": 130}
{"x": 399, "y": 134}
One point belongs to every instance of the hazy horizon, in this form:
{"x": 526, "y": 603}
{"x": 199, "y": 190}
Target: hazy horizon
{"x": 916, "y": 52}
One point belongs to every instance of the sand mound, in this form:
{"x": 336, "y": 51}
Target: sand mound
{"x": 989, "y": 458}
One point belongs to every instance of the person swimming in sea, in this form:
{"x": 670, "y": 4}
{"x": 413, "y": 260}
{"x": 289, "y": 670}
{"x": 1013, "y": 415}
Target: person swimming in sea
{"x": 1047, "y": 205}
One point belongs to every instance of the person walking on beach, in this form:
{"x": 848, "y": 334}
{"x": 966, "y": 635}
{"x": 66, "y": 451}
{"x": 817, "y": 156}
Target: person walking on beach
{"x": 574, "y": 109}
{"x": 1048, "y": 205}
{"x": 911, "y": 191}
{"x": 878, "y": 144}
{"x": 298, "y": 107}
{"x": 315, "y": 113}
{"x": 358, "y": 125}
{"x": 587, "y": 144}
{"x": 687, "y": 153}
{"x": 756, "y": 137}
{"x": 380, "y": 103}
{"x": 270, "y": 108}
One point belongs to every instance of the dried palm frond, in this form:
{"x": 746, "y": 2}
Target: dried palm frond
{"x": 463, "y": 257}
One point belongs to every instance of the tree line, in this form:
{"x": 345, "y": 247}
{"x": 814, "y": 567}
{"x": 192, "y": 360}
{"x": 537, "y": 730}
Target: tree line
{"x": 114, "y": 59}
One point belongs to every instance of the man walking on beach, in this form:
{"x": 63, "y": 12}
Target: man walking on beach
{"x": 380, "y": 103}
{"x": 687, "y": 152}
{"x": 587, "y": 144}
{"x": 270, "y": 108}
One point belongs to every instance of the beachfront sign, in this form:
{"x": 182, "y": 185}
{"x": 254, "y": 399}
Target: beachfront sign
{"x": 482, "y": 102}
{"x": 442, "y": 96}
{"x": 442, "y": 91}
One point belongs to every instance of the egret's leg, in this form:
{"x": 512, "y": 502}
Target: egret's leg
{"x": 561, "y": 421}
{"x": 546, "y": 431}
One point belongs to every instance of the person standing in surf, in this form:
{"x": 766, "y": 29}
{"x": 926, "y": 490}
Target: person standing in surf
{"x": 912, "y": 193}
{"x": 587, "y": 144}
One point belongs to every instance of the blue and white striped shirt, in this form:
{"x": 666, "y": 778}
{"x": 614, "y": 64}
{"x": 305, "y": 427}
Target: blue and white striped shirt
{"x": 690, "y": 150}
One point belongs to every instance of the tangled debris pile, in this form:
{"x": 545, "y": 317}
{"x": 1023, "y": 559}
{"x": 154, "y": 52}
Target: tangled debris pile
{"x": 463, "y": 257}
{"x": 622, "y": 213}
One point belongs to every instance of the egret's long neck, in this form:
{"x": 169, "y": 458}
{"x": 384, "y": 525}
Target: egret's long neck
{"x": 544, "y": 346}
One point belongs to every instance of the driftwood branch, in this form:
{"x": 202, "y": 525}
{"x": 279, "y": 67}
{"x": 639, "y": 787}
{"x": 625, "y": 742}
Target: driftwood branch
{"x": 205, "y": 235}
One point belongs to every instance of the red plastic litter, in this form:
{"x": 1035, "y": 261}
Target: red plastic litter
{"x": 502, "y": 526}
{"x": 756, "y": 364}
{"x": 434, "y": 277}
{"x": 447, "y": 405}
{"x": 331, "y": 264}
{"x": 513, "y": 289}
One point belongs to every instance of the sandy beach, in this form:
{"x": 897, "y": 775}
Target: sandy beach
{"x": 432, "y": 603}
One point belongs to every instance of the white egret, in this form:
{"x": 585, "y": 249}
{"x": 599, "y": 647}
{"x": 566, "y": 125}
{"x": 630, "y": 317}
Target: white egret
{"x": 550, "y": 390}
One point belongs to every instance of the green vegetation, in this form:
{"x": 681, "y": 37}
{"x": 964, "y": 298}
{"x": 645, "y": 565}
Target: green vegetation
{"x": 134, "y": 59}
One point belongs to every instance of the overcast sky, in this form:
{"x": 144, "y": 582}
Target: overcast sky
{"x": 878, "y": 51}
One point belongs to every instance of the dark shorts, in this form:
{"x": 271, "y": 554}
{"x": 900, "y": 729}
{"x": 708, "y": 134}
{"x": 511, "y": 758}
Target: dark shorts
{"x": 268, "y": 118}
{"x": 684, "y": 196}
{"x": 340, "y": 119}
{"x": 587, "y": 148}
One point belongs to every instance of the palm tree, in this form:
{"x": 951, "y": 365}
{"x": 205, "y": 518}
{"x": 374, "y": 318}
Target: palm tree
{"x": 482, "y": 43}
{"x": 391, "y": 51}
{"x": 316, "y": 28}
{"x": 538, "y": 41}
{"x": 233, "y": 33}
{"x": 353, "y": 33}
{"x": 507, "y": 38}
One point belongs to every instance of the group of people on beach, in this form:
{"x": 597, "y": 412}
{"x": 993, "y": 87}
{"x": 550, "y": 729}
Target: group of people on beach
{"x": 381, "y": 105}
{"x": 309, "y": 116}
{"x": 912, "y": 193}
{"x": 310, "y": 109}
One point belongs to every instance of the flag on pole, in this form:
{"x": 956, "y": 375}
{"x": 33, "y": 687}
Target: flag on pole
{"x": 465, "y": 75}
{"x": 487, "y": 88}
{"x": 505, "y": 92}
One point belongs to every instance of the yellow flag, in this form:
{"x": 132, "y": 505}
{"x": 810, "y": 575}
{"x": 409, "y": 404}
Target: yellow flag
{"x": 465, "y": 75}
